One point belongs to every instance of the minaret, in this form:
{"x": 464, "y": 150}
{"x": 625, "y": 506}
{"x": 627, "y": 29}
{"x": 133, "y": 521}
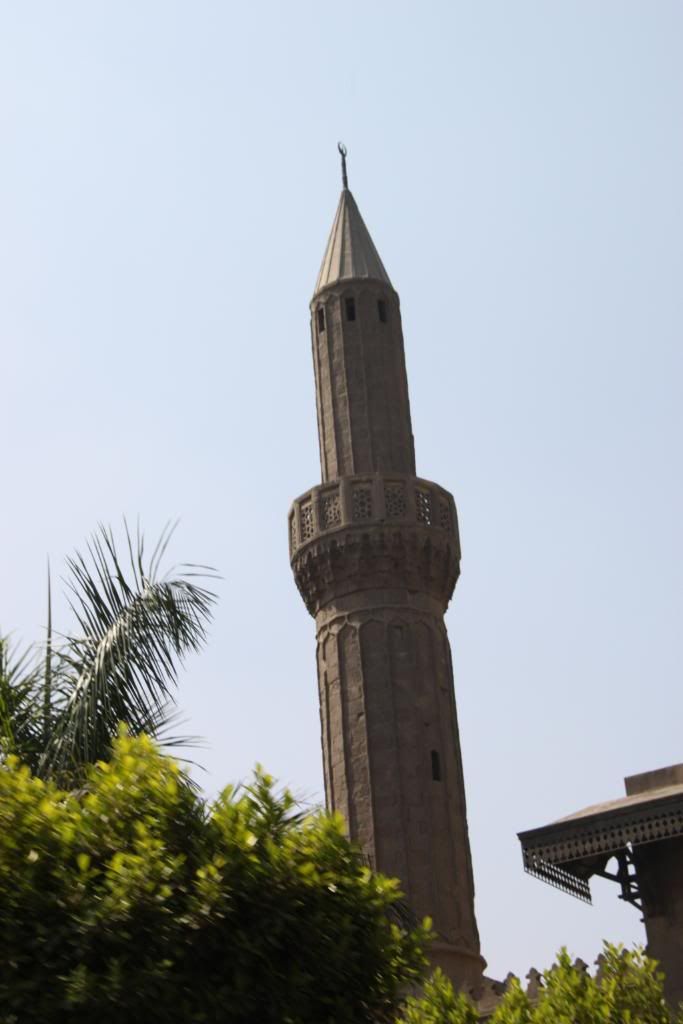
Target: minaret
{"x": 375, "y": 554}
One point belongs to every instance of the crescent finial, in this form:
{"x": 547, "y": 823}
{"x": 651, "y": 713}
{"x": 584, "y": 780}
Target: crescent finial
{"x": 343, "y": 151}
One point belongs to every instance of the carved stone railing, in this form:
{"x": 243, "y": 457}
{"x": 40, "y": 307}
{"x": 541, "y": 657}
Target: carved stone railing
{"x": 362, "y": 501}
{"x": 491, "y": 993}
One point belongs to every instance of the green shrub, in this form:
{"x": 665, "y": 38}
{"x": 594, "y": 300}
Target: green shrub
{"x": 439, "y": 1004}
{"x": 626, "y": 990}
{"x": 131, "y": 900}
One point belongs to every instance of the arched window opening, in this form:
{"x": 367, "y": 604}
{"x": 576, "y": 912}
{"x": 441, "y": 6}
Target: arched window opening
{"x": 321, "y": 319}
{"x": 436, "y": 766}
{"x": 382, "y": 310}
{"x": 350, "y": 309}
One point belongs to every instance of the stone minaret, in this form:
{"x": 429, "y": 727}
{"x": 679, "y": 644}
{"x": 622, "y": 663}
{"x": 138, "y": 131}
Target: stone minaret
{"x": 375, "y": 554}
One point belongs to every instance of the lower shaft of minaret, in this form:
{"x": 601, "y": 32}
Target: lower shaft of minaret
{"x": 391, "y": 754}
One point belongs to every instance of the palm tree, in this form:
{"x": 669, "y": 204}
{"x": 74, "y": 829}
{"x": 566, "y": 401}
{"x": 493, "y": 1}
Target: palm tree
{"x": 20, "y": 724}
{"x": 61, "y": 706}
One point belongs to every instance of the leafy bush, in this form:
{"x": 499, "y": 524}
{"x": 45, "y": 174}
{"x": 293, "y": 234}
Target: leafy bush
{"x": 626, "y": 990}
{"x": 439, "y": 1004}
{"x": 132, "y": 900}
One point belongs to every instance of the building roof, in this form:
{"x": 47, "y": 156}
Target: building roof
{"x": 350, "y": 251}
{"x": 622, "y": 803}
{"x": 566, "y": 852}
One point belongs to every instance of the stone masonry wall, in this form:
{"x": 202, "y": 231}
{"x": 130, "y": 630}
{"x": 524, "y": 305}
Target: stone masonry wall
{"x": 363, "y": 407}
{"x": 392, "y": 757}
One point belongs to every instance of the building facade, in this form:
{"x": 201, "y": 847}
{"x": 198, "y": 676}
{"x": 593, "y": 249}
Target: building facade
{"x": 375, "y": 554}
{"x": 635, "y": 841}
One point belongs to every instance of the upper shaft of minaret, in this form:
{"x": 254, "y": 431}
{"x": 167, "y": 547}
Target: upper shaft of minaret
{"x": 361, "y": 385}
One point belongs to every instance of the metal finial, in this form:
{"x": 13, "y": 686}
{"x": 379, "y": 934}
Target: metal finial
{"x": 342, "y": 149}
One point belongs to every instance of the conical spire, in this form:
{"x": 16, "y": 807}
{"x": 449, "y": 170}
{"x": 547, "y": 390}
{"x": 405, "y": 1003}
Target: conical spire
{"x": 350, "y": 251}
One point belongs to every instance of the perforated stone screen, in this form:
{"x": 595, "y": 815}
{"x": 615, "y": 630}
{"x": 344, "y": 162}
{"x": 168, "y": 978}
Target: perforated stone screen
{"x": 331, "y": 510}
{"x": 423, "y": 505}
{"x": 395, "y": 501}
{"x": 307, "y": 528}
{"x": 361, "y": 503}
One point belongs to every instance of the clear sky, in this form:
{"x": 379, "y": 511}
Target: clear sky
{"x": 168, "y": 178}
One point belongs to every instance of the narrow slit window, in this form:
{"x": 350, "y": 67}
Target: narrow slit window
{"x": 436, "y": 766}
{"x": 321, "y": 320}
{"x": 382, "y": 310}
{"x": 350, "y": 309}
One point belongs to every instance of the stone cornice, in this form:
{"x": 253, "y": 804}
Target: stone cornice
{"x": 376, "y": 557}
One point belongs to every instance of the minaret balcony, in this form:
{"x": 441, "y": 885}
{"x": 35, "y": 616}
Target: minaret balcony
{"x": 362, "y": 501}
{"x": 377, "y": 531}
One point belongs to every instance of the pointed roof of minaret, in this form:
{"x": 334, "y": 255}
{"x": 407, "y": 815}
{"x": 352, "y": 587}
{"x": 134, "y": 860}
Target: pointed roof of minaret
{"x": 350, "y": 251}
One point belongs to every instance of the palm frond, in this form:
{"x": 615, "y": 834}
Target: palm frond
{"x": 135, "y": 628}
{"x": 161, "y": 723}
{"x": 20, "y": 690}
{"x": 47, "y": 675}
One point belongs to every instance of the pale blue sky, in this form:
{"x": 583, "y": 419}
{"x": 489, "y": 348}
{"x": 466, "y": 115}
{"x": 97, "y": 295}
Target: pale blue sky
{"x": 167, "y": 182}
